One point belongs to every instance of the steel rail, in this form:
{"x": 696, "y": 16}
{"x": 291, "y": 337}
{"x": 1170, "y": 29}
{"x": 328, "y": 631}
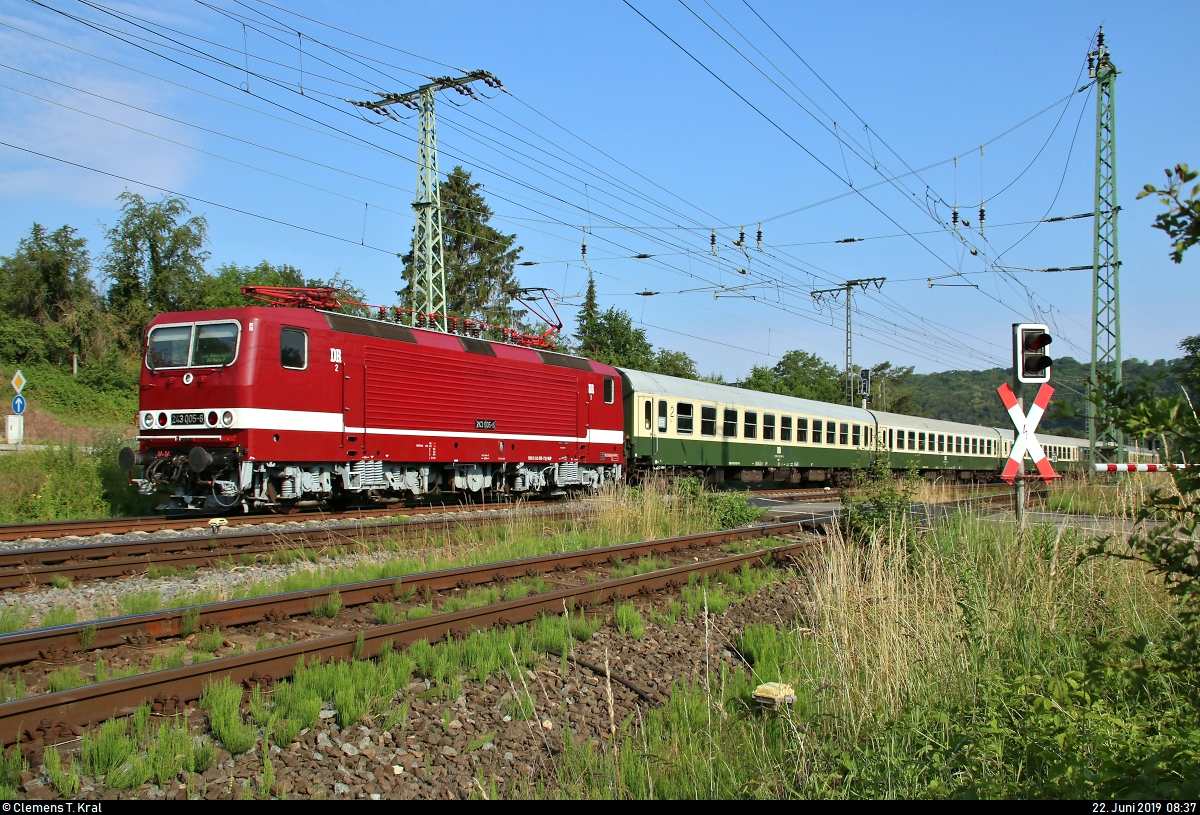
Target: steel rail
{"x": 21, "y": 567}
{"x": 157, "y": 523}
{"x": 46, "y": 718}
{"x": 59, "y": 642}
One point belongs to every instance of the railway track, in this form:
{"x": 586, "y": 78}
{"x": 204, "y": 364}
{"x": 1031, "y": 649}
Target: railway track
{"x": 157, "y": 523}
{"x": 49, "y": 530}
{"x": 89, "y": 561}
{"x": 51, "y": 717}
{"x": 26, "y": 567}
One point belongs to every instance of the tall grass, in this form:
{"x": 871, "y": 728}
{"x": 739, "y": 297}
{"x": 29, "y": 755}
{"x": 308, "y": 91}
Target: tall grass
{"x": 1120, "y": 498}
{"x": 64, "y": 482}
{"x": 956, "y": 664}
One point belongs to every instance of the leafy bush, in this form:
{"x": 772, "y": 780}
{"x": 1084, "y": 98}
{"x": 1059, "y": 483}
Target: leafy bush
{"x": 731, "y": 510}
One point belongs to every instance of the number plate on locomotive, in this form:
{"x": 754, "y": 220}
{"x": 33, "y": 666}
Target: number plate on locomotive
{"x": 186, "y": 419}
{"x": 485, "y": 424}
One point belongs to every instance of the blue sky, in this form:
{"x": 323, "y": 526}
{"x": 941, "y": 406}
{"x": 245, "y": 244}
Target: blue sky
{"x": 598, "y": 97}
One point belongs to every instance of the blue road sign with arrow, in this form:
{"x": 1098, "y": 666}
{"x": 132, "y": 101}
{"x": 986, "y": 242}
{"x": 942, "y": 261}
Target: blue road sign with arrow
{"x": 18, "y": 404}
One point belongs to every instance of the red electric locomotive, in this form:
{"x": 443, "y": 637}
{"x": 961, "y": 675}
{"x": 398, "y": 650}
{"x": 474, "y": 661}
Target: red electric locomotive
{"x": 263, "y": 407}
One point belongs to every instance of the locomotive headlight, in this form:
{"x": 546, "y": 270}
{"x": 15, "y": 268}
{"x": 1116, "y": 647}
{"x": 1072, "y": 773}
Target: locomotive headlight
{"x": 148, "y": 421}
{"x": 227, "y": 418}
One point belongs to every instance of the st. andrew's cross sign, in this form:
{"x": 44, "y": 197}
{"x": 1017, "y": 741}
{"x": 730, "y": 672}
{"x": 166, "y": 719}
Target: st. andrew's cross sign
{"x": 1026, "y": 440}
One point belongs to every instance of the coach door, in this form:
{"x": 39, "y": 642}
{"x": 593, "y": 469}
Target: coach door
{"x": 354, "y": 431}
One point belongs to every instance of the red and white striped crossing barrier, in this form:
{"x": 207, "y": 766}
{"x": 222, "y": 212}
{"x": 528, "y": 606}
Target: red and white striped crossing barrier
{"x": 1140, "y": 468}
{"x": 1026, "y": 440}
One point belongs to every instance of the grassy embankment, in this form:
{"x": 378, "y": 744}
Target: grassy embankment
{"x": 957, "y": 663}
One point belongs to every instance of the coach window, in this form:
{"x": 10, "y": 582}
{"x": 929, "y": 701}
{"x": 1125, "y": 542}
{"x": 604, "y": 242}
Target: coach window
{"x": 958, "y": 444}
{"x": 867, "y": 436}
{"x": 921, "y": 441}
{"x": 293, "y": 349}
{"x": 750, "y": 428}
{"x": 856, "y": 435}
{"x": 912, "y": 440}
{"x": 802, "y": 430}
{"x": 649, "y": 419}
{"x": 768, "y": 427}
{"x": 729, "y": 428}
{"x": 662, "y": 415}
{"x": 785, "y": 428}
{"x": 941, "y": 442}
{"x": 830, "y": 433}
{"x": 816, "y": 431}
{"x": 844, "y": 436}
{"x": 683, "y": 418}
{"x": 708, "y": 421}
{"x": 974, "y": 447}
{"x": 609, "y": 393}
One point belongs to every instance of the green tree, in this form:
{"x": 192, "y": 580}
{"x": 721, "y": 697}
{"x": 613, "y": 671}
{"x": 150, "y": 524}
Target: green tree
{"x": 1189, "y": 366}
{"x": 609, "y": 337}
{"x": 675, "y": 363}
{"x": 1181, "y": 221}
{"x": 480, "y": 260}
{"x": 891, "y": 390}
{"x": 799, "y": 374}
{"x": 587, "y": 322}
{"x": 224, "y": 288}
{"x": 48, "y": 305}
{"x": 155, "y": 260}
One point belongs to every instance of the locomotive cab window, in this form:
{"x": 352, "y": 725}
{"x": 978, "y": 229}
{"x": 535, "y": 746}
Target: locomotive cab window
{"x": 293, "y": 349}
{"x": 683, "y": 418}
{"x": 608, "y": 390}
{"x": 750, "y": 429}
{"x": 168, "y": 346}
{"x": 215, "y": 344}
{"x": 768, "y": 427}
{"x": 816, "y": 431}
{"x": 708, "y": 421}
{"x": 662, "y": 415}
{"x": 729, "y": 430}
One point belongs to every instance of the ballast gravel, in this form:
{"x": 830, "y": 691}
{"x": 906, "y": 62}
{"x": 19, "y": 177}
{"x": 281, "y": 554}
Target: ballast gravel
{"x": 98, "y": 599}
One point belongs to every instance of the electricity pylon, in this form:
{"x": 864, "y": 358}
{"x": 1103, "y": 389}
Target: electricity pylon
{"x": 848, "y": 287}
{"x": 429, "y": 267}
{"x": 1106, "y": 442}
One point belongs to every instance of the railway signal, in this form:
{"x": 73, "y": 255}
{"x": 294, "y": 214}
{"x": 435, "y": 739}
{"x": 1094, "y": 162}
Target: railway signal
{"x": 1030, "y": 361}
{"x": 864, "y": 386}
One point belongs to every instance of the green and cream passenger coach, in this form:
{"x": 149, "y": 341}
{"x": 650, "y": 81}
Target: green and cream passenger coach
{"x": 732, "y": 434}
